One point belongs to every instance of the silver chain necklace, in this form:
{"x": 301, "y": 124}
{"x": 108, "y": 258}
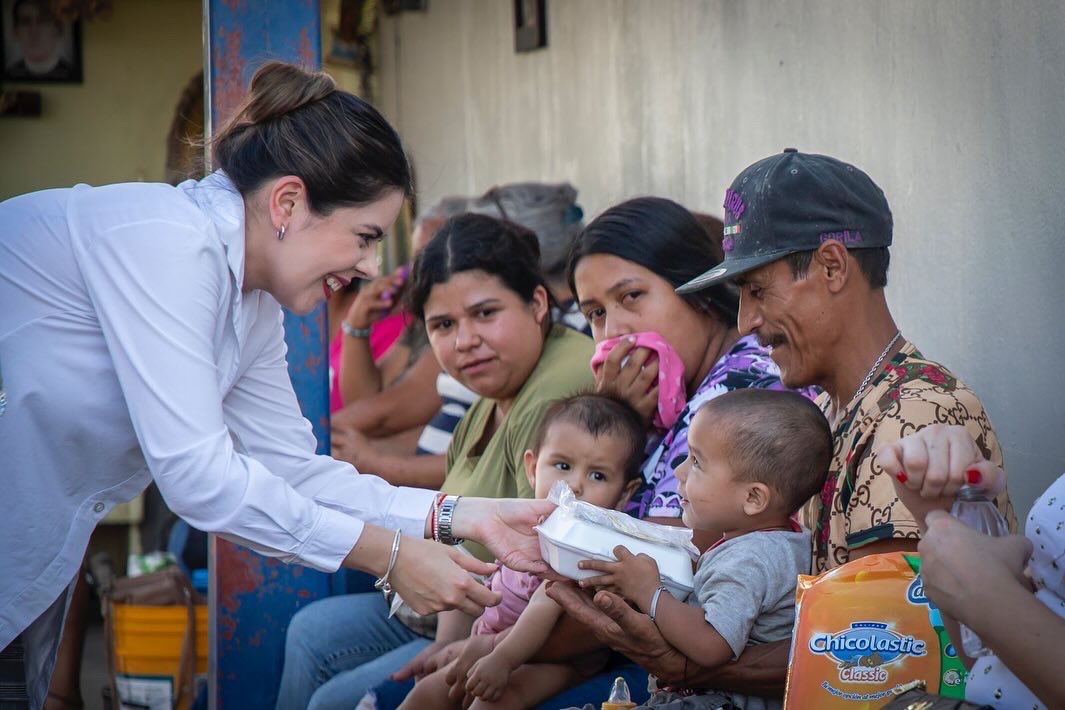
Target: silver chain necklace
{"x": 876, "y": 365}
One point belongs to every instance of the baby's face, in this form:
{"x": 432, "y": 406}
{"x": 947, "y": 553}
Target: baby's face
{"x": 594, "y": 467}
{"x": 711, "y": 498}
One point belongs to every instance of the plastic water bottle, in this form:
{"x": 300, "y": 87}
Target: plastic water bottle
{"x": 974, "y": 508}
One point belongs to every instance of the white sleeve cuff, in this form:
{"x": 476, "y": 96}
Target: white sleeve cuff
{"x": 336, "y": 532}
{"x": 410, "y": 507}
{"x": 330, "y": 541}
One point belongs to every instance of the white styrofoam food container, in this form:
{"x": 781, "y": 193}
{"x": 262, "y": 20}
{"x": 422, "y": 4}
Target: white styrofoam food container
{"x": 565, "y": 540}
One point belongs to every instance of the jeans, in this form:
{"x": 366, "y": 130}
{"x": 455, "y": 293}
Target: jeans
{"x": 594, "y": 690}
{"x": 338, "y": 648}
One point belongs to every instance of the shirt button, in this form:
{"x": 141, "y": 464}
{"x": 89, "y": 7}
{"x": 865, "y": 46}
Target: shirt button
{"x": 98, "y": 508}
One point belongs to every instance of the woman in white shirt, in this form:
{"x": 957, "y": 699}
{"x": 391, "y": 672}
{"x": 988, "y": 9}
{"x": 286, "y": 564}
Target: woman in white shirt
{"x": 141, "y": 338}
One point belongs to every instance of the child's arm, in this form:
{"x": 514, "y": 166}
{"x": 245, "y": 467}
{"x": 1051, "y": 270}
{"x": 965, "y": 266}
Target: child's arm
{"x": 636, "y": 578}
{"x": 686, "y": 628}
{"x": 488, "y": 676}
{"x": 531, "y": 629}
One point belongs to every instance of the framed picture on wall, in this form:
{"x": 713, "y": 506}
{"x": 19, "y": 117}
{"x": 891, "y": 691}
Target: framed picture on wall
{"x": 36, "y": 46}
{"x": 530, "y": 25}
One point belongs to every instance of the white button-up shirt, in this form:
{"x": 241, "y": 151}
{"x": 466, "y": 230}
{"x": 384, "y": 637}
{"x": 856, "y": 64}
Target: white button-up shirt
{"x": 129, "y": 353}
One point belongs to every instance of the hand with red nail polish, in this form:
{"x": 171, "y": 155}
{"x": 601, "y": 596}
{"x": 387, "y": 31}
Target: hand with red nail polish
{"x": 932, "y": 465}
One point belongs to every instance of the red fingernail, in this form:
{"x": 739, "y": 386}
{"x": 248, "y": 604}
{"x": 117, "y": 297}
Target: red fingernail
{"x": 901, "y": 475}
{"x": 973, "y": 476}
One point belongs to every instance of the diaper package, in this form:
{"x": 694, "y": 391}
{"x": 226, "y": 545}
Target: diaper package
{"x": 864, "y": 629}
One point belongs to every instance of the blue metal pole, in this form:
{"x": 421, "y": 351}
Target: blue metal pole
{"x": 252, "y": 598}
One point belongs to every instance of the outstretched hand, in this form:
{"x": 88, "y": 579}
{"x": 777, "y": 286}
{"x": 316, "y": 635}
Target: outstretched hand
{"x": 505, "y": 527}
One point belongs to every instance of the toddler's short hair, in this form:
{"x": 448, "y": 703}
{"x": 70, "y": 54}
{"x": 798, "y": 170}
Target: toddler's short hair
{"x": 777, "y": 438}
{"x": 599, "y": 415}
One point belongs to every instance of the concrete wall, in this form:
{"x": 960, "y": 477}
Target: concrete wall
{"x": 955, "y": 107}
{"x": 113, "y": 127}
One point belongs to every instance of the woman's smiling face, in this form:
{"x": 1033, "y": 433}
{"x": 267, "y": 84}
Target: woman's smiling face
{"x": 320, "y": 255}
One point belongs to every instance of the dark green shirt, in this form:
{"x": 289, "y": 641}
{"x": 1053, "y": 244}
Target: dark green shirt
{"x": 499, "y": 471}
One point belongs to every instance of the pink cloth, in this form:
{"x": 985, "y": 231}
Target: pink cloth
{"x": 672, "y": 396}
{"x": 383, "y": 335}
{"x": 517, "y": 589}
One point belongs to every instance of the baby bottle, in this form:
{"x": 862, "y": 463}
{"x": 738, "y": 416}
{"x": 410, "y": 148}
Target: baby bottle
{"x": 619, "y": 696}
{"x": 974, "y": 508}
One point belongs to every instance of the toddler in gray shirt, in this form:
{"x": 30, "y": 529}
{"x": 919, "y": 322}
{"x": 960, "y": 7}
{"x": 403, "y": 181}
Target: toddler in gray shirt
{"x": 755, "y": 457}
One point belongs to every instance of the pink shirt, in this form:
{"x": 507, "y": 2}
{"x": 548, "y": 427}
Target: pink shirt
{"x": 383, "y": 335}
{"x": 517, "y": 588}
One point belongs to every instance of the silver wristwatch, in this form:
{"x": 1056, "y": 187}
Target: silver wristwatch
{"x": 444, "y": 519}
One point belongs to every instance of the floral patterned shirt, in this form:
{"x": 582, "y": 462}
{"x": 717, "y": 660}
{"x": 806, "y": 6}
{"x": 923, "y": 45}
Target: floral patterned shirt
{"x": 858, "y": 504}
{"x": 746, "y": 364}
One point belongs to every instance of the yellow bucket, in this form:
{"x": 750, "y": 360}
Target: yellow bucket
{"x": 148, "y": 642}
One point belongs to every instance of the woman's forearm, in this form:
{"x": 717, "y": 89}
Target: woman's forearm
{"x": 409, "y": 470}
{"x": 1026, "y": 636}
{"x": 954, "y": 633}
{"x": 371, "y": 551}
{"x": 359, "y": 376}
{"x": 410, "y": 401}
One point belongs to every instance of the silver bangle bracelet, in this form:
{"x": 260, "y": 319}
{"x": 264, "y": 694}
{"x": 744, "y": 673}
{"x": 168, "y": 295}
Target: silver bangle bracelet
{"x": 653, "y": 609}
{"x": 353, "y": 332}
{"x": 444, "y": 519}
{"x": 383, "y": 583}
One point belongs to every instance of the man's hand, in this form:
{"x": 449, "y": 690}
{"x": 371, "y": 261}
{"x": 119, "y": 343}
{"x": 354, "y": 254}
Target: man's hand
{"x": 634, "y": 577}
{"x": 623, "y": 629}
{"x": 488, "y": 677}
{"x": 760, "y": 670}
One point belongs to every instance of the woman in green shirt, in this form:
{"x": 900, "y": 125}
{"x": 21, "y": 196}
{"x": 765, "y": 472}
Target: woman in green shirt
{"x": 486, "y": 309}
{"x": 477, "y": 285}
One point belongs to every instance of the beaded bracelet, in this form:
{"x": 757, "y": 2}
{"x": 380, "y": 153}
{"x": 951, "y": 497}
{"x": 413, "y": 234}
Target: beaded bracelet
{"x": 434, "y": 516}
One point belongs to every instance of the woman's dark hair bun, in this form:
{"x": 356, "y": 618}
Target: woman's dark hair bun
{"x": 278, "y": 88}
{"x": 297, "y": 122}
